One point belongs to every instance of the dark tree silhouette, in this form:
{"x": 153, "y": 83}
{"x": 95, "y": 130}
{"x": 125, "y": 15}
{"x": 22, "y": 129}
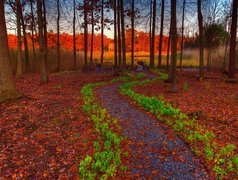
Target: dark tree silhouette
{"x": 201, "y": 38}
{"x": 42, "y": 42}
{"x": 161, "y": 34}
{"x": 232, "y": 56}
{"x": 7, "y": 87}
{"x": 173, "y": 46}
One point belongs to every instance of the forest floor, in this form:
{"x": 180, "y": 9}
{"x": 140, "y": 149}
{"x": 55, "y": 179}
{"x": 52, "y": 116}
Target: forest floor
{"x": 212, "y": 99}
{"x": 155, "y": 151}
{"x": 45, "y": 134}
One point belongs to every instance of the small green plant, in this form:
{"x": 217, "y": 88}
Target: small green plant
{"x": 223, "y": 162}
{"x": 107, "y": 157}
{"x": 186, "y": 86}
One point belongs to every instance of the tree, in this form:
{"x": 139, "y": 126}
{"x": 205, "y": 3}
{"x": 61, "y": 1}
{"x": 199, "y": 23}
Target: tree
{"x": 152, "y": 56}
{"x": 42, "y": 46}
{"x": 85, "y": 34}
{"x": 161, "y": 34}
{"x": 102, "y": 31}
{"x": 33, "y": 27}
{"x": 7, "y": 87}
{"x": 168, "y": 49}
{"x": 133, "y": 32}
{"x": 119, "y": 32}
{"x": 182, "y": 41}
{"x": 45, "y": 41}
{"x": 115, "y": 35}
{"x": 232, "y": 55}
{"x": 123, "y": 34}
{"x": 74, "y": 37}
{"x": 58, "y": 37}
{"x": 27, "y": 63}
{"x": 173, "y": 46}
{"x": 201, "y": 38}
{"x": 215, "y": 35}
{"x": 19, "y": 71}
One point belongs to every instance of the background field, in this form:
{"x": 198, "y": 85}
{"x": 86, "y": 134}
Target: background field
{"x": 190, "y": 59}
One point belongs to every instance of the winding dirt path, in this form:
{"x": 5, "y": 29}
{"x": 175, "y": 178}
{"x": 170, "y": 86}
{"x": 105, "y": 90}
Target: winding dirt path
{"x": 155, "y": 150}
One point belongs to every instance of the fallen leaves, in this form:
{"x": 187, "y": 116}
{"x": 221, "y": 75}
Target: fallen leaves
{"x": 212, "y": 96}
{"x": 45, "y": 134}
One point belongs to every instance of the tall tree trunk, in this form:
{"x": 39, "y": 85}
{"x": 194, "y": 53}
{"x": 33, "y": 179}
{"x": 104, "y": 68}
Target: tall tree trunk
{"x": 74, "y": 37}
{"x": 232, "y": 54}
{"x": 44, "y": 76}
{"x": 45, "y": 39}
{"x": 7, "y": 87}
{"x": 27, "y": 63}
{"x": 102, "y": 31}
{"x": 123, "y": 34}
{"x": 161, "y": 34}
{"x": 119, "y": 32}
{"x": 58, "y": 37}
{"x": 168, "y": 53}
{"x": 150, "y": 31}
{"x": 19, "y": 71}
{"x": 225, "y": 54}
{"x": 201, "y": 38}
{"x": 115, "y": 35}
{"x": 152, "y": 60}
{"x": 85, "y": 35}
{"x": 168, "y": 49}
{"x": 181, "y": 53}
{"x": 133, "y": 33}
{"x": 32, "y": 28}
{"x": 173, "y": 46}
{"x": 92, "y": 37}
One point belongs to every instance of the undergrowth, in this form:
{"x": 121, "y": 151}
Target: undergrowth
{"x": 107, "y": 156}
{"x": 106, "y": 159}
{"x": 222, "y": 160}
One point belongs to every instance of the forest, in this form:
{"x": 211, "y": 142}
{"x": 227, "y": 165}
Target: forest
{"x": 118, "y": 89}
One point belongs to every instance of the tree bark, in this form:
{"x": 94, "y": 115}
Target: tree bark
{"x": 161, "y": 34}
{"x": 232, "y": 54}
{"x": 58, "y": 37}
{"x": 133, "y": 32}
{"x": 42, "y": 57}
{"x": 201, "y": 39}
{"x": 27, "y": 62}
{"x": 92, "y": 36}
{"x": 119, "y": 32}
{"x": 74, "y": 37}
{"x": 85, "y": 35}
{"x": 150, "y": 31}
{"x": 7, "y": 87}
{"x": 32, "y": 29}
{"x": 115, "y": 35}
{"x": 181, "y": 53}
{"x": 102, "y": 31}
{"x": 123, "y": 34}
{"x": 19, "y": 71}
{"x": 168, "y": 49}
{"x": 152, "y": 60}
{"x": 45, "y": 40}
{"x": 173, "y": 46}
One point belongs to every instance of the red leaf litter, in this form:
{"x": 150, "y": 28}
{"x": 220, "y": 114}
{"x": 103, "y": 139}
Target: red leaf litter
{"x": 215, "y": 98}
{"x": 45, "y": 134}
